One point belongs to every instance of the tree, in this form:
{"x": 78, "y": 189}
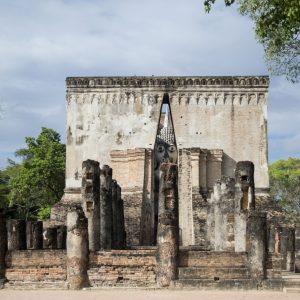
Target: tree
{"x": 41, "y": 176}
{"x": 277, "y": 27}
{"x": 5, "y": 176}
{"x": 4, "y": 189}
{"x": 285, "y": 187}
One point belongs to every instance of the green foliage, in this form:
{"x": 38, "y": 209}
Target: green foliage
{"x": 5, "y": 176}
{"x": 44, "y": 213}
{"x": 4, "y": 189}
{"x": 277, "y": 27}
{"x": 285, "y": 186}
{"x": 39, "y": 182}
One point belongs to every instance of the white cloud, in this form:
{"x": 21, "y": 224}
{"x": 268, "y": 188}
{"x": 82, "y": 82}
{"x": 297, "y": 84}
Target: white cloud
{"x": 42, "y": 42}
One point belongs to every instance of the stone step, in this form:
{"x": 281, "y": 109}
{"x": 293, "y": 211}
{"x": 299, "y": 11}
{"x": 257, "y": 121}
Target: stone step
{"x": 291, "y": 279}
{"x": 208, "y": 284}
{"x": 291, "y": 290}
{"x": 30, "y": 285}
{"x": 213, "y": 273}
{"x": 212, "y": 259}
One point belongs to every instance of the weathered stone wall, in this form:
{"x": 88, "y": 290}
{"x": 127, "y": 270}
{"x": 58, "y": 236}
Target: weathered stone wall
{"x": 200, "y": 215}
{"x": 133, "y": 171}
{"x": 123, "y": 268}
{"x": 192, "y": 258}
{"x": 226, "y": 113}
{"x": 36, "y": 268}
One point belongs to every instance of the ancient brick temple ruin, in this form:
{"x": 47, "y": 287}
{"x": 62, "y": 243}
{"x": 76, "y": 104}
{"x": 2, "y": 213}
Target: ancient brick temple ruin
{"x": 166, "y": 185}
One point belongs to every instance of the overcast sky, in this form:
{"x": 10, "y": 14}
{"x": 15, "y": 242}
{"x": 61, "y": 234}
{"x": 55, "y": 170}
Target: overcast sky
{"x": 43, "y": 42}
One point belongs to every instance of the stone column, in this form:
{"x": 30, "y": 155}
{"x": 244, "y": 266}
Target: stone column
{"x": 61, "y": 236}
{"x": 290, "y": 261}
{"x": 283, "y": 246}
{"x": 186, "y": 221}
{"x": 244, "y": 176}
{"x": 202, "y": 172}
{"x": 34, "y": 234}
{"x": 223, "y": 206}
{"x": 244, "y": 198}
{"x": 105, "y": 207}
{"x": 114, "y": 206}
{"x": 90, "y": 191}
{"x": 277, "y": 245}
{"x": 3, "y": 248}
{"x": 195, "y": 162}
{"x": 50, "y": 238}
{"x": 148, "y": 211}
{"x": 167, "y": 232}
{"x": 214, "y": 167}
{"x": 77, "y": 249}
{"x": 256, "y": 246}
{"x": 16, "y": 234}
{"x": 297, "y": 250}
{"x": 118, "y": 217}
{"x": 271, "y": 238}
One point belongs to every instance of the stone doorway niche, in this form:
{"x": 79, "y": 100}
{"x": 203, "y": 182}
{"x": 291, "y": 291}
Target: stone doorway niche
{"x": 165, "y": 149}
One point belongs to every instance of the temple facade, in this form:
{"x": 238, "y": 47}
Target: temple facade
{"x": 214, "y": 122}
{"x": 166, "y": 186}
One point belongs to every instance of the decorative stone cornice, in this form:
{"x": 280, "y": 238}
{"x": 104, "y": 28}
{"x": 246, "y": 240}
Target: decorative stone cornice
{"x": 248, "y": 97}
{"x": 167, "y": 82}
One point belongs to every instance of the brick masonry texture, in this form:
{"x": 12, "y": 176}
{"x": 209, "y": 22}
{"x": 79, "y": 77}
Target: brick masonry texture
{"x": 122, "y": 268}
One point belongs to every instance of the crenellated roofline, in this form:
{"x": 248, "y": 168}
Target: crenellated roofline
{"x": 168, "y": 81}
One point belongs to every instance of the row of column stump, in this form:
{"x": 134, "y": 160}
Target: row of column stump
{"x": 103, "y": 207}
{"x": 30, "y": 235}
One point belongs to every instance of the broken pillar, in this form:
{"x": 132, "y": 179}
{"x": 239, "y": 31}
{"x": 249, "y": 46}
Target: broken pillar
{"x": 277, "y": 245}
{"x": 244, "y": 201}
{"x": 105, "y": 207}
{"x": 34, "y": 234}
{"x": 283, "y": 246}
{"x": 168, "y": 228}
{"x": 90, "y": 189}
{"x": 290, "y": 257}
{"x": 114, "y": 204}
{"x": 50, "y": 238}
{"x": 202, "y": 173}
{"x": 271, "y": 238}
{"x": 77, "y": 249}
{"x": 256, "y": 244}
{"x": 121, "y": 240}
{"x": 117, "y": 217}
{"x": 244, "y": 176}
{"x": 16, "y": 234}
{"x": 61, "y": 236}
{"x": 213, "y": 167}
{"x": 3, "y": 247}
{"x": 223, "y": 206}
{"x": 297, "y": 250}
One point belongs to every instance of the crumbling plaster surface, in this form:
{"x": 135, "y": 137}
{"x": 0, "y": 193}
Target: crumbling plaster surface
{"x": 118, "y": 113}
